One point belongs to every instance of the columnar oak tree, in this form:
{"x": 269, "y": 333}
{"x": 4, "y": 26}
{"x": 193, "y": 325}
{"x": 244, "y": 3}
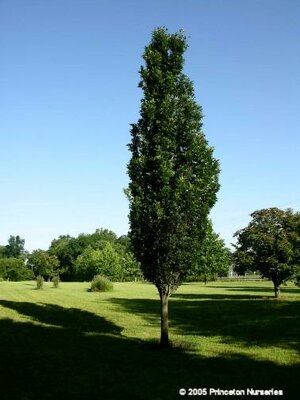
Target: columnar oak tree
{"x": 173, "y": 174}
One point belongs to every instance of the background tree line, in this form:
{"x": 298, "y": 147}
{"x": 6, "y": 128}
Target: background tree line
{"x": 102, "y": 252}
{"x": 269, "y": 246}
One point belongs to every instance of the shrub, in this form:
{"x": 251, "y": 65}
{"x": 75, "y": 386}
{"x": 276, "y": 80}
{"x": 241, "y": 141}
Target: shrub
{"x": 101, "y": 284}
{"x": 39, "y": 282}
{"x": 55, "y": 281}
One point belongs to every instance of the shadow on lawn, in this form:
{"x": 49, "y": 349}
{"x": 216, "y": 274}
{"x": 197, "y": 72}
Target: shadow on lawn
{"x": 46, "y": 363}
{"x": 254, "y": 290}
{"x": 246, "y": 322}
{"x": 68, "y": 318}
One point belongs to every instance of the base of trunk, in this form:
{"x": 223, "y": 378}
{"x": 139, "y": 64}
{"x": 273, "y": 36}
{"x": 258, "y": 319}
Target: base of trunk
{"x": 164, "y": 331}
{"x": 276, "y": 291}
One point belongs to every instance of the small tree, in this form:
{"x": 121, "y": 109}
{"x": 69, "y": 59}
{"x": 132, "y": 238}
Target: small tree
{"x": 131, "y": 269}
{"x": 55, "y": 281}
{"x": 87, "y": 264}
{"x": 106, "y": 262}
{"x": 270, "y": 244}
{"x": 43, "y": 263}
{"x": 173, "y": 175}
{"x": 214, "y": 258}
{"x": 110, "y": 262}
{"x": 39, "y": 282}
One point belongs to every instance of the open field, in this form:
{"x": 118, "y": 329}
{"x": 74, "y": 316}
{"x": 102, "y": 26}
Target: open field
{"x": 69, "y": 343}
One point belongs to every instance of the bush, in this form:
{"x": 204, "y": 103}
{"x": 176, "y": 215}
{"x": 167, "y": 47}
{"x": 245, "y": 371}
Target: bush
{"x": 39, "y": 282}
{"x": 101, "y": 284}
{"x": 55, "y": 281}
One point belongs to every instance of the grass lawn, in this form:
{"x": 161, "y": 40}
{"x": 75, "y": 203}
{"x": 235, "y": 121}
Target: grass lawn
{"x": 69, "y": 343}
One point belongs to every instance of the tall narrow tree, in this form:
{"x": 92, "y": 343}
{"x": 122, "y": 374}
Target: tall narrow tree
{"x": 173, "y": 174}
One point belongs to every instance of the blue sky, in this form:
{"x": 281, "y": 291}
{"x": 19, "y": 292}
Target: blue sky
{"x": 68, "y": 92}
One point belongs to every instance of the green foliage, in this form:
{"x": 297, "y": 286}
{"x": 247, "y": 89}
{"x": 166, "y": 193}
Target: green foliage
{"x": 101, "y": 284}
{"x": 43, "y": 263}
{"x": 99, "y": 262}
{"x": 14, "y": 248}
{"x": 73, "y": 258}
{"x": 14, "y": 269}
{"x": 214, "y": 259}
{"x": 110, "y": 262}
{"x": 80, "y": 258}
{"x": 131, "y": 270}
{"x": 66, "y": 249}
{"x": 297, "y": 279}
{"x": 270, "y": 244}
{"x": 88, "y": 264}
{"x": 125, "y": 242}
{"x": 173, "y": 175}
{"x": 55, "y": 281}
{"x": 39, "y": 282}
{"x": 2, "y": 251}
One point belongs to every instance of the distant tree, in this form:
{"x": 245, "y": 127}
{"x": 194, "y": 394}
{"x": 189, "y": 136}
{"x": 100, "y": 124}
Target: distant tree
{"x": 111, "y": 263}
{"x": 44, "y": 264}
{"x": 270, "y": 244}
{"x": 214, "y": 258}
{"x": 68, "y": 249}
{"x": 14, "y": 269}
{"x": 2, "y": 251}
{"x": 106, "y": 262}
{"x": 131, "y": 269}
{"x": 125, "y": 242}
{"x": 173, "y": 174}
{"x": 105, "y": 235}
{"x": 87, "y": 264}
{"x": 15, "y": 247}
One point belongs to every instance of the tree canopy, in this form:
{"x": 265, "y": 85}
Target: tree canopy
{"x": 270, "y": 244}
{"x": 14, "y": 248}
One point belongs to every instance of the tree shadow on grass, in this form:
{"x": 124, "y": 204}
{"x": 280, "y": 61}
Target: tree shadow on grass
{"x": 68, "y": 318}
{"x": 254, "y": 290}
{"x": 46, "y": 363}
{"x": 246, "y": 322}
{"x": 215, "y": 296}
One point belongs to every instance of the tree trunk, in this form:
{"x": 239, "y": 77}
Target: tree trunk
{"x": 276, "y": 291}
{"x": 164, "y": 315}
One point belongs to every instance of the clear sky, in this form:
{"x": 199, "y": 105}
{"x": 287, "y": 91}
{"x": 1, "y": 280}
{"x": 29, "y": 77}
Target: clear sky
{"x": 68, "y": 92}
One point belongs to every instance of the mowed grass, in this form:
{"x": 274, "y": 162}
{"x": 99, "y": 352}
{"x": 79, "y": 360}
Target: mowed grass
{"x": 69, "y": 343}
